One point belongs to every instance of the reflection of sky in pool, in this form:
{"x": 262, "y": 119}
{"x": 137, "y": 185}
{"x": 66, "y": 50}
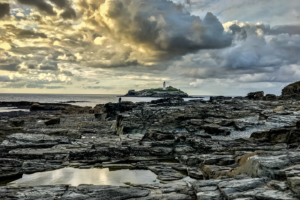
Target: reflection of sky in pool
{"x": 11, "y": 109}
{"x": 75, "y": 177}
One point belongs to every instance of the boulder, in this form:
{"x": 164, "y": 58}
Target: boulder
{"x": 256, "y": 95}
{"x": 291, "y": 89}
{"x": 131, "y": 93}
{"x": 53, "y": 121}
{"x": 36, "y": 107}
{"x": 270, "y": 97}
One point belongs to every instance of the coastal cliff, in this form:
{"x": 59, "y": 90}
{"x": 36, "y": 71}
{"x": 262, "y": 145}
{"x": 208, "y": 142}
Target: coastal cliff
{"x": 158, "y": 92}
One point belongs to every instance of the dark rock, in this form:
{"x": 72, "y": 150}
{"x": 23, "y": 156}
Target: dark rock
{"x": 20, "y": 140}
{"x": 166, "y": 173}
{"x": 219, "y": 98}
{"x": 291, "y": 89}
{"x": 53, "y": 121}
{"x": 271, "y": 97}
{"x": 215, "y": 129}
{"x": 256, "y": 95}
{"x": 17, "y": 122}
{"x": 158, "y": 135}
{"x": 131, "y": 93}
{"x": 36, "y": 107}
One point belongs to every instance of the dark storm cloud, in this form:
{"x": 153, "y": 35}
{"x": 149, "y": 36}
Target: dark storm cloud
{"x": 14, "y": 85}
{"x": 6, "y": 79}
{"x": 13, "y": 67}
{"x": 55, "y": 87}
{"x": 30, "y": 34}
{"x": 99, "y": 87}
{"x": 258, "y": 57}
{"x": 289, "y": 29}
{"x": 49, "y": 66}
{"x": 161, "y": 29}
{"x": 61, "y": 3}
{"x": 69, "y": 12}
{"x": 239, "y": 32}
{"x": 33, "y": 86}
{"x": 67, "y": 73}
{"x": 4, "y": 9}
{"x": 23, "y": 33}
{"x": 40, "y": 4}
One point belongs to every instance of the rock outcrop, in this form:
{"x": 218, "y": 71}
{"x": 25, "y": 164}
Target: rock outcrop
{"x": 158, "y": 92}
{"x": 291, "y": 91}
{"x": 226, "y": 148}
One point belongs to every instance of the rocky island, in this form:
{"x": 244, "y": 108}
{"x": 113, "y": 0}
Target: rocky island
{"x": 243, "y": 148}
{"x": 157, "y": 92}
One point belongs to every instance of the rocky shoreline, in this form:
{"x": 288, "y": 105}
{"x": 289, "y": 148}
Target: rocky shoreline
{"x": 239, "y": 148}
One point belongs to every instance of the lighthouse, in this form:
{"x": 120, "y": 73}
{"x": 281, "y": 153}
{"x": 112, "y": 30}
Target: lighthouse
{"x": 164, "y": 86}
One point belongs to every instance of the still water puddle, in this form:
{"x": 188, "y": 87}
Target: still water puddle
{"x": 95, "y": 176}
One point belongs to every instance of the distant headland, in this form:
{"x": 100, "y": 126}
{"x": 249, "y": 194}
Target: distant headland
{"x": 158, "y": 92}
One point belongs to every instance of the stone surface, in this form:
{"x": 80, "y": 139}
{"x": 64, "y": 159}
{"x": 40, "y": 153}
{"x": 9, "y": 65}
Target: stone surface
{"x": 53, "y": 121}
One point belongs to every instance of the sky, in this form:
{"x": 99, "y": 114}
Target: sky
{"x": 203, "y": 47}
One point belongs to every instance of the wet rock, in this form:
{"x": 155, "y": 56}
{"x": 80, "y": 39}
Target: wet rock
{"x": 36, "y": 107}
{"x": 53, "y": 121}
{"x": 195, "y": 173}
{"x": 184, "y": 150}
{"x": 214, "y": 171}
{"x": 278, "y": 185}
{"x": 158, "y": 135}
{"x": 239, "y": 126}
{"x": 166, "y": 173}
{"x": 216, "y": 129}
{"x": 103, "y": 192}
{"x": 10, "y": 167}
{"x": 20, "y": 140}
{"x": 274, "y": 195}
{"x": 16, "y": 122}
{"x": 233, "y": 189}
{"x": 279, "y": 135}
{"x": 209, "y": 195}
{"x": 31, "y": 193}
{"x": 293, "y": 178}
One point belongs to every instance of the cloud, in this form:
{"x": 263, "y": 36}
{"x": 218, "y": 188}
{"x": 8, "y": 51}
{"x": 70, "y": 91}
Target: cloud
{"x": 256, "y": 55}
{"x": 4, "y": 9}
{"x": 67, "y": 73}
{"x": 6, "y": 79}
{"x": 14, "y": 85}
{"x": 40, "y": 4}
{"x": 99, "y": 87}
{"x": 48, "y": 66}
{"x": 55, "y": 87}
{"x": 30, "y": 34}
{"x": 33, "y": 86}
{"x": 154, "y": 31}
{"x": 10, "y": 67}
{"x": 69, "y": 12}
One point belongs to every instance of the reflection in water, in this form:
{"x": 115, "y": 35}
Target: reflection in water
{"x": 95, "y": 176}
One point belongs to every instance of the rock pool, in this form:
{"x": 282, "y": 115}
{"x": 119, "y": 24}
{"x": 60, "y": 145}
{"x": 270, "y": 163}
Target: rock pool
{"x": 95, "y": 176}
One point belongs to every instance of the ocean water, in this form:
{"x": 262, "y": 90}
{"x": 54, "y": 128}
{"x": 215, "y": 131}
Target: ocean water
{"x": 85, "y": 99}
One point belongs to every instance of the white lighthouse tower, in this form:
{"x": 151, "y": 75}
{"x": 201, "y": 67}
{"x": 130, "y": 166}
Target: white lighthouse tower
{"x": 164, "y": 88}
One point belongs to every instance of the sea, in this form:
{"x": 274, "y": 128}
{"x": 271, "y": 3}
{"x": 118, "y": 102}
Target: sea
{"x": 76, "y": 99}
